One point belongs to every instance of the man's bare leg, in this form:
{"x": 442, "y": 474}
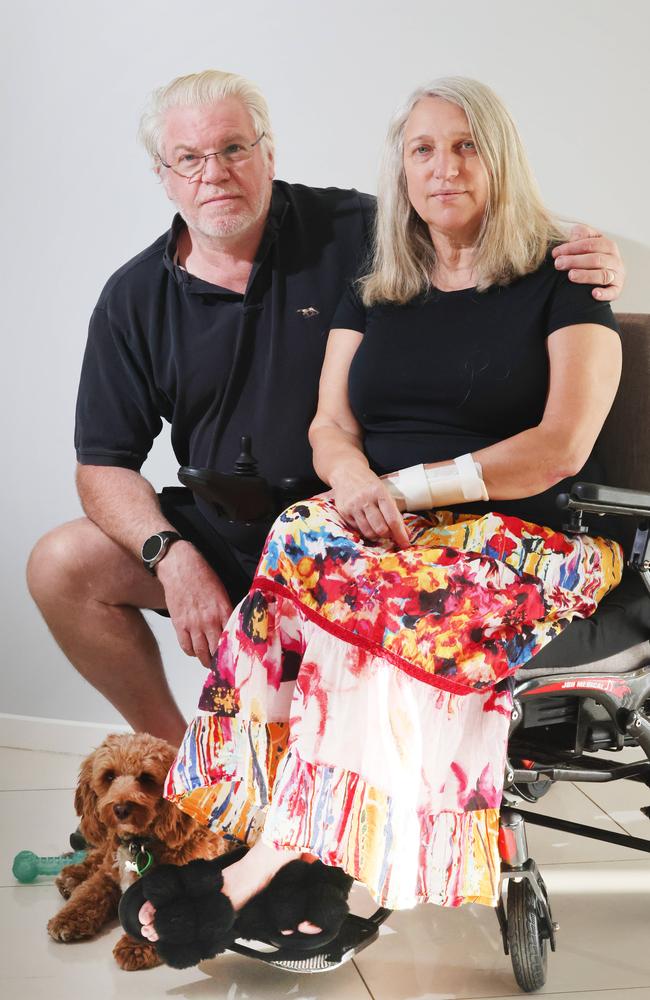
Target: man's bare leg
{"x": 89, "y": 590}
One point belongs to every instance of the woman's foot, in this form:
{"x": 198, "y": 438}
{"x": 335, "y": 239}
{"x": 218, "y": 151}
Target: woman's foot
{"x": 241, "y": 881}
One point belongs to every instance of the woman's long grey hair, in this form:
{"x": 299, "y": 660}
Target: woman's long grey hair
{"x": 516, "y": 231}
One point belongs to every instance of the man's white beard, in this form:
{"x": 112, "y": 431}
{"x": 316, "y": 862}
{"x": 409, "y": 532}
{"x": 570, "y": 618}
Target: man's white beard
{"x": 229, "y": 225}
{"x": 225, "y": 225}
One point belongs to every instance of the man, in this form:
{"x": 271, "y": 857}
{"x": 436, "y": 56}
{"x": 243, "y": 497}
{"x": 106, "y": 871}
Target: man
{"x": 220, "y": 328}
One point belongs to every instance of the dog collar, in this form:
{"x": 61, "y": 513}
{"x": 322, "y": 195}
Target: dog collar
{"x": 140, "y": 859}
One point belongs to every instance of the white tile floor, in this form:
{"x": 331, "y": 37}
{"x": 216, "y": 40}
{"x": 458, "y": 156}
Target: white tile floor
{"x": 600, "y": 895}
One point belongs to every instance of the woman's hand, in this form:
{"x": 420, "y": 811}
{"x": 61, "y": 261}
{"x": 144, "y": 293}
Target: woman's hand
{"x": 365, "y": 503}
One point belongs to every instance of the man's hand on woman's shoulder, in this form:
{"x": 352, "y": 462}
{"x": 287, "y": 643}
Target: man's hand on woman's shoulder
{"x": 592, "y": 259}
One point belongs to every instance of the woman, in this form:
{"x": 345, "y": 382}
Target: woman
{"x": 358, "y": 707}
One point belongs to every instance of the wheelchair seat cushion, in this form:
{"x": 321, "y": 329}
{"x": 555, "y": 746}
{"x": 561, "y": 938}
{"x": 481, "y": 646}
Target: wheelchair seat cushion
{"x": 615, "y": 639}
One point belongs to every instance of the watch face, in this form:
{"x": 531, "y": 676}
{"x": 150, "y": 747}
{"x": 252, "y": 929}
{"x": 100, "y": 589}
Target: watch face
{"x": 152, "y": 548}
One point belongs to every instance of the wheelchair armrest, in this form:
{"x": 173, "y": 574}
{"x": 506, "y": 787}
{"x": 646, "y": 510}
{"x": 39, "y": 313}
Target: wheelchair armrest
{"x": 245, "y": 498}
{"x": 596, "y": 499}
{"x": 237, "y": 497}
{"x": 243, "y": 495}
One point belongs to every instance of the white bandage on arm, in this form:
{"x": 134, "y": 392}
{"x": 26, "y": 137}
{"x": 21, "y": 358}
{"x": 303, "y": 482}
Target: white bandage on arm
{"x": 471, "y": 478}
{"x": 421, "y": 489}
{"x": 413, "y": 485}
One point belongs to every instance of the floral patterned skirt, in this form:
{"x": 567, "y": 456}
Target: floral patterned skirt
{"x": 358, "y": 707}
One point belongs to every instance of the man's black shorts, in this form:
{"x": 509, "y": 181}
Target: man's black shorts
{"x": 234, "y": 568}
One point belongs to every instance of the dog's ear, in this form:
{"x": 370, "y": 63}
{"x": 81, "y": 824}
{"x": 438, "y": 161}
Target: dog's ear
{"x": 85, "y": 803}
{"x": 173, "y": 826}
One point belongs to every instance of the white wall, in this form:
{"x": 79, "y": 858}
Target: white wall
{"x": 78, "y": 200}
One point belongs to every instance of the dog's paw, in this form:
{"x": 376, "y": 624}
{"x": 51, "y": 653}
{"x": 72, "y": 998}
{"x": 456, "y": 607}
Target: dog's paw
{"x": 131, "y": 955}
{"x": 67, "y": 883}
{"x": 70, "y": 927}
{"x": 72, "y": 876}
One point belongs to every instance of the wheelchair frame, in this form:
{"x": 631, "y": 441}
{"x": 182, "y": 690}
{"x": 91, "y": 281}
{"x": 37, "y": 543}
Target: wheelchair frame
{"x": 600, "y": 711}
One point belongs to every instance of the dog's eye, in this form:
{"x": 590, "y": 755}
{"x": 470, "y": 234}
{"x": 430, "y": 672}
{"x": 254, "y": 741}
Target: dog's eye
{"x": 108, "y": 777}
{"x": 147, "y": 779}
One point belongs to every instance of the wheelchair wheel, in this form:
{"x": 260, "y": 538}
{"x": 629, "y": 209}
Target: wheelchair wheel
{"x": 527, "y": 942}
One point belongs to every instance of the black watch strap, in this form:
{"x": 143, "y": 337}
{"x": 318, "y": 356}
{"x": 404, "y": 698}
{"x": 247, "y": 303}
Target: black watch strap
{"x": 155, "y": 547}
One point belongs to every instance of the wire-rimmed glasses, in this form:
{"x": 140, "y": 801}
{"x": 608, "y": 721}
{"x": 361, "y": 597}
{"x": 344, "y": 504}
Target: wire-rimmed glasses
{"x": 191, "y": 165}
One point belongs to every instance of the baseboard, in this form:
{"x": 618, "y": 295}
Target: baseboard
{"x": 31, "y": 732}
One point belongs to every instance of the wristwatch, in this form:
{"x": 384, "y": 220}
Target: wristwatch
{"x": 155, "y": 548}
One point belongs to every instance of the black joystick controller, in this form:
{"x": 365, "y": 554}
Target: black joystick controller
{"x": 242, "y": 495}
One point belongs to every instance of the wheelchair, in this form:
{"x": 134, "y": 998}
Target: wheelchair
{"x": 587, "y": 692}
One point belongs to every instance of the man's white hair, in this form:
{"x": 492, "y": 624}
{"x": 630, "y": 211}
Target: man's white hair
{"x": 516, "y": 231}
{"x": 196, "y": 90}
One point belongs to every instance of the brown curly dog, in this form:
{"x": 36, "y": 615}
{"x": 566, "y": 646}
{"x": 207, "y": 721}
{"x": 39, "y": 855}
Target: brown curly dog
{"x": 130, "y": 825}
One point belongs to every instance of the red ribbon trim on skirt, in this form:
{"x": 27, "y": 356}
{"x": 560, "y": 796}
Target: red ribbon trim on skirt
{"x": 375, "y": 648}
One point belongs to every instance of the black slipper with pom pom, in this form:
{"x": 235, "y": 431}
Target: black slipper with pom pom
{"x": 301, "y": 890}
{"x": 195, "y": 920}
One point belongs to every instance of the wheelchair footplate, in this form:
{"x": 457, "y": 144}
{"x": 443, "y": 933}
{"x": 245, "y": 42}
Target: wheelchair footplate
{"x": 356, "y": 933}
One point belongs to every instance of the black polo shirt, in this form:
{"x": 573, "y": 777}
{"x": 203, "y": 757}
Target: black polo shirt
{"x": 216, "y": 364}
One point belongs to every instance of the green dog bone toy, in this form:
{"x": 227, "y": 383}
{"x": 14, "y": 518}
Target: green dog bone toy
{"x": 28, "y": 866}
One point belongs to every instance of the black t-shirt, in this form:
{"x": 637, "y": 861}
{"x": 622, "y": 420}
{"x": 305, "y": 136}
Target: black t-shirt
{"x": 216, "y": 364}
{"x": 452, "y": 372}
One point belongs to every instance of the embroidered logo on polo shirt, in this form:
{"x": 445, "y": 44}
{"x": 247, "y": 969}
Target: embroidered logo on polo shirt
{"x": 307, "y": 313}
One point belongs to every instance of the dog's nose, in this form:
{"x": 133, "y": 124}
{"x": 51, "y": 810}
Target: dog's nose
{"x": 122, "y": 809}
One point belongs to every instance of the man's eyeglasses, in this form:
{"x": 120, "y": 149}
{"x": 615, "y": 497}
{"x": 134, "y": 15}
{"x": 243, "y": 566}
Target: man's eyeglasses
{"x": 192, "y": 165}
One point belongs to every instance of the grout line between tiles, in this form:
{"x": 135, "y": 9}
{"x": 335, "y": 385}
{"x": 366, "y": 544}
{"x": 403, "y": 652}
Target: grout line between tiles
{"x": 598, "y": 806}
{"x": 56, "y": 753}
{"x": 577, "y": 864}
{"x": 48, "y": 788}
{"x": 565, "y": 993}
{"x": 600, "y": 809}
{"x": 361, "y": 977}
